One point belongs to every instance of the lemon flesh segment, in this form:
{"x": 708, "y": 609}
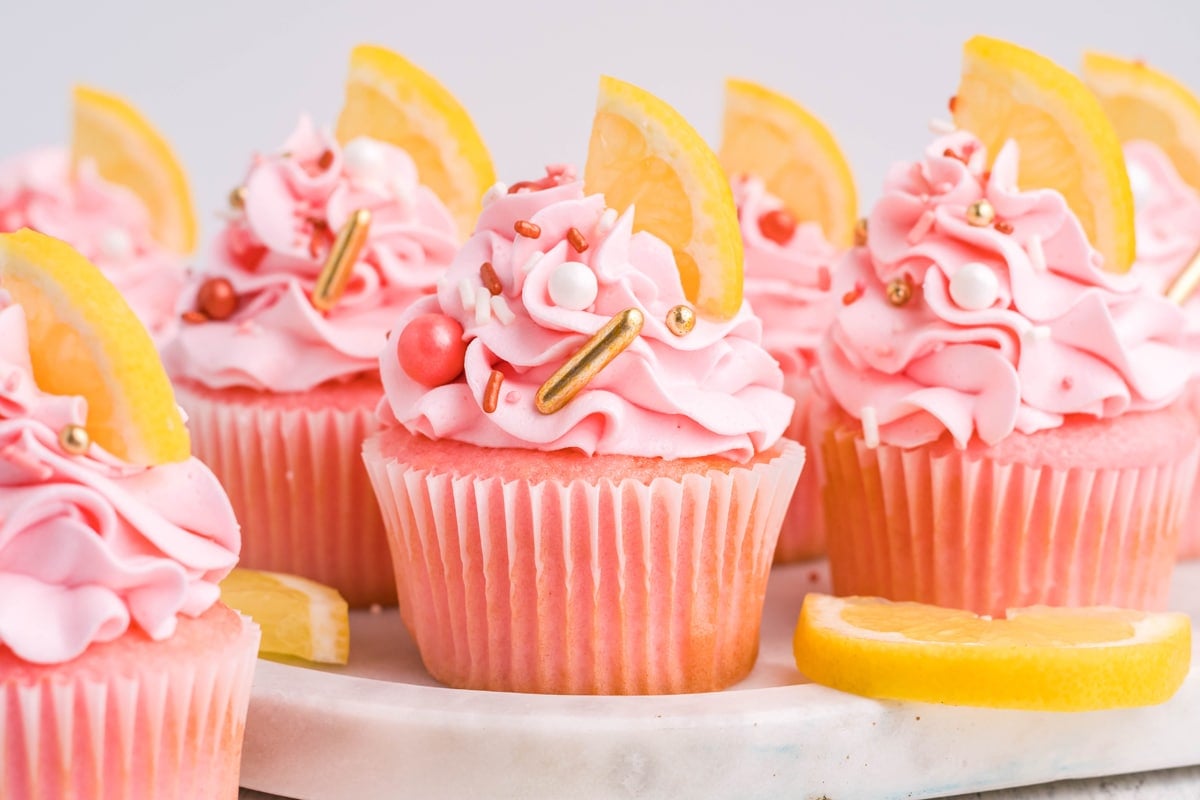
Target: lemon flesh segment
{"x": 127, "y": 150}
{"x": 84, "y": 340}
{"x": 390, "y": 99}
{"x": 1066, "y": 141}
{"x": 299, "y": 618}
{"x": 1147, "y": 104}
{"x": 643, "y": 154}
{"x": 769, "y": 136}
{"x": 1039, "y": 658}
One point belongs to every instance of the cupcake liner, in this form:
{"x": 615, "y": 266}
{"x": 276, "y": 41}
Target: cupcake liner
{"x": 159, "y": 729}
{"x": 958, "y": 530}
{"x": 802, "y": 536}
{"x": 297, "y": 484}
{"x": 584, "y": 587}
{"x": 1189, "y": 535}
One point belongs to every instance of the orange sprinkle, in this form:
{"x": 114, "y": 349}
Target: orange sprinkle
{"x": 953, "y": 103}
{"x": 576, "y": 240}
{"x": 193, "y": 317}
{"x": 1003, "y": 227}
{"x": 491, "y": 393}
{"x": 525, "y": 228}
{"x": 487, "y": 274}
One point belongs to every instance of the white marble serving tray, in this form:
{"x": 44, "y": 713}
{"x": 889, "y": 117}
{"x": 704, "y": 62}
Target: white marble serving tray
{"x": 382, "y": 728}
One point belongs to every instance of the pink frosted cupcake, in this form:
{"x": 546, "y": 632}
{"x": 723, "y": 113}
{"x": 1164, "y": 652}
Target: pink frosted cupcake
{"x": 121, "y": 676}
{"x": 281, "y": 385}
{"x": 1012, "y": 433}
{"x": 1168, "y": 239}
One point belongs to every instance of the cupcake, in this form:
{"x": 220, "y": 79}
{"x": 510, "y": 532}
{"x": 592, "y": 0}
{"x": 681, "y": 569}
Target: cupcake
{"x": 773, "y": 149}
{"x": 117, "y": 195}
{"x": 581, "y": 466}
{"x": 121, "y": 675}
{"x": 277, "y": 364}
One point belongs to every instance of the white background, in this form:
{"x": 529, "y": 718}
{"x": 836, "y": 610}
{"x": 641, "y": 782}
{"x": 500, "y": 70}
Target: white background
{"x": 224, "y": 78}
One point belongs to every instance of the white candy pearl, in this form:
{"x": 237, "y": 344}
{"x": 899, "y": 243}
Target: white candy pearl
{"x": 363, "y": 158}
{"x": 573, "y": 286}
{"x": 974, "y": 286}
{"x": 116, "y": 245}
{"x": 1139, "y": 184}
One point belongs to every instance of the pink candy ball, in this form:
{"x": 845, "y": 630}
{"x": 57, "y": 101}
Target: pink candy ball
{"x": 431, "y": 349}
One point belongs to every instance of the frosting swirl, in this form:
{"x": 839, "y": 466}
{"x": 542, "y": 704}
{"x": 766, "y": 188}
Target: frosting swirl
{"x": 272, "y": 252}
{"x": 1011, "y": 327}
{"x": 787, "y": 282}
{"x": 713, "y": 392}
{"x": 90, "y": 545}
{"x": 105, "y": 222}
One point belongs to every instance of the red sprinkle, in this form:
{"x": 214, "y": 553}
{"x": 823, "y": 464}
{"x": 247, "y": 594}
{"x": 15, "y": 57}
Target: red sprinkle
{"x": 322, "y": 237}
{"x": 779, "y": 226}
{"x": 487, "y": 274}
{"x": 216, "y": 299}
{"x": 986, "y": 176}
{"x": 525, "y": 228}
{"x": 193, "y": 317}
{"x": 1003, "y": 227}
{"x": 852, "y": 295}
{"x": 576, "y": 240}
{"x": 824, "y": 279}
{"x": 1067, "y": 383}
{"x": 948, "y": 153}
{"x": 491, "y": 392}
{"x": 519, "y": 185}
{"x": 326, "y": 160}
{"x": 953, "y": 104}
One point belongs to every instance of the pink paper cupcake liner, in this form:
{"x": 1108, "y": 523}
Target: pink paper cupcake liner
{"x": 583, "y": 586}
{"x": 802, "y": 536}
{"x": 152, "y": 726}
{"x": 944, "y": 526}
{"x": 293, "y": 470}
{"x": 1189, "y": 535}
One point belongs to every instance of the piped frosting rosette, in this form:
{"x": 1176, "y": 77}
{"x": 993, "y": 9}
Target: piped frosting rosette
{"x": 1011, "y": 323}
{"x": 263, "y": 330}
{"x": 711, "y": 392}
{"x": 91, "y": 546}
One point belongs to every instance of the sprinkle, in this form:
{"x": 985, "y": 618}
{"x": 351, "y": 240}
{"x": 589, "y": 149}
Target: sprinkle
{"x": 953, "y": 104}
{"x": 74, "y": 439}
{"x": 899, "y": 290}
{"x": 494, "y": 192}
{"x": 326, "y": 160}
{"x": 681, "y": 320}
{"x": 870, "y": 426}
{"x": 976, "y": 162}
{"x": 941, "y": 126}
{"x": 523, "y": 186}
{"x": 466, "y": 293}
{"x": 860, "y": 232}
{"x": 490, "y": 279}
{"x": 595, "y": 354}
{"x": 216, "y": 299}
{"x": 483, "y": 305}
{"x": 1003, "y": 227}
{"x": 980, "y": 213}
{"x": 193, "y": 317}
{"x": 237, "y": 198}
{"x": 339, "y": 264}
{"x": 576, "y": 240}
{"x": 512, "y": 397}
{"x": 1097, "y": 259}
{"x": 855, "y": 293}
{"x": 950, "y": 153}
{"x": 924, "y": 225}
{"x": 824, "y": 279}
{"x": 525, "y": 228}
{"x": 532, "y": 261}
{"x": 501, "y": 310}
{"x": 1037, "y": 257}
{"x": 1067, "y": 383}
{"x": 491, "y": 392}
{"x": 1037, "y": 333}
{"x": 608, "y": 221}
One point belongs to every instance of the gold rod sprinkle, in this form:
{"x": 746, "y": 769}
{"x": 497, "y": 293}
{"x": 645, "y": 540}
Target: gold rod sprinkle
{"x": 596, "y": 354}
{"x": 1184, "y": 285}
{"x": 335, "y": 275}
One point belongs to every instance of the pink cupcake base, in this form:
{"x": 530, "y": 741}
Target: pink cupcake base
{"x": 1035, "y": 520}
{"x": 526, "y": 571}
{"x": 131, "y": 719}
{"x": 292, "y": 467}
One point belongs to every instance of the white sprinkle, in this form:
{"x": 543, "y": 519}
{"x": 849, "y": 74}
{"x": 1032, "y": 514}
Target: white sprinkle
{"x": 531, "y": 262}
{"x": 608, "y": 221}
{"x": 977, "y": 161}
{"x": 870, "y": 426}
{"x": 495, "y": 192}
{"x": 501, "y": 310}
{"x": 1140, "y": 183}
{"x": 1037, "y": 333}
{"x": 116, "y": 245}
{"x": 573, "y": 286}
{"x": 1037, "y": 256}
{"x": 1097, "y": 259}
{"x": 941, "y": 126}
{"x": 183, "y": 414}
{"x": 974, "y": 286}
{"x": 363, "y": 158}
{"x": 466, "y": 293}
{"x": 483, "y": 305}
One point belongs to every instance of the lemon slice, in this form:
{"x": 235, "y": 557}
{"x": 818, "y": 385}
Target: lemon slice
{"x": 84, "y": 340}
{"x": 127, "y": 150}
{"x": 1066, "y": 141}
{"x": 390, "y": 99}
{"x": 299, "y": 618}
{"x": 1146, "y": 104}
{"x": 1039, "y": 658}
{"x": 644, "y": 154}
{"x": 775, "y": 139}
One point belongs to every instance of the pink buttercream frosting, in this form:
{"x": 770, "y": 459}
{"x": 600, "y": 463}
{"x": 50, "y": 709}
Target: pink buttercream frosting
{"x": 1168, "y": 224}
{"x": 107, "y": 223}
{"x": 788, "y": 284}
{"x": 713, "y": 392}
{"x": 272, "y": 252}
{"x": 1061, "y": 337}
{"x": 90, "y": 545}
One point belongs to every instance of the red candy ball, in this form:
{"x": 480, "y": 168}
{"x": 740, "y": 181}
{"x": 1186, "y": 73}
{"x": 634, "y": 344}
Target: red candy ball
{"x": 431, "y": 349}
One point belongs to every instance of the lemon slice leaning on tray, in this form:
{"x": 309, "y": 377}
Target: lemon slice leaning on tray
{"x": 85, "y": 340}
{"x": 391, "y": 99}
{"x": 643, "y": 154}
{"x": 1065, "y": 138}
{"x": 1039, "y": 658}
{"x": 299, "y": 618}
{"x": 772, "y": 137}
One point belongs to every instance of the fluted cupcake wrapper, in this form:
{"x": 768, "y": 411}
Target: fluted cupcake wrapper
{"x": 158, "y": 730}
{"x": 962, "y": 531}
{"x": 1189, "y": 535}
{"x": 802, "y": 536}
{"x": 584, "y": 587}
{"x": 296, "y": 480}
